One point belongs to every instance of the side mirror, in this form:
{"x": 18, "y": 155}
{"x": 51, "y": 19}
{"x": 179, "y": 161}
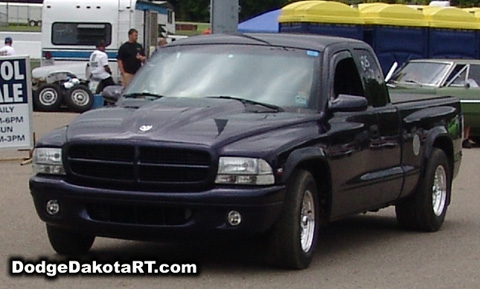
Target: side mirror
{"x": 348, "y": 103}
{"x": 112, "y": 93}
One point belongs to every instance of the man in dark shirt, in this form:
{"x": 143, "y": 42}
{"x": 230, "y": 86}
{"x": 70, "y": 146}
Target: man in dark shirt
{"x": 130, "y": 57}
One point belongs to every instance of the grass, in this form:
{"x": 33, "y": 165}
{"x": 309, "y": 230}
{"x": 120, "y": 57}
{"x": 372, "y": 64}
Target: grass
{"x": 20, "y": 28}
{"x": 200, "y": 28}
{"x": 34, "y": 63}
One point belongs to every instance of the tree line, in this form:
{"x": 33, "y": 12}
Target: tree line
{"x": 198, "y": 10}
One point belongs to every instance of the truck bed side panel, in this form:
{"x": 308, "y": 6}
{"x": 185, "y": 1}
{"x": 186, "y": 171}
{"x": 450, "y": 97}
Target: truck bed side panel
{"x": 423, "y": 122}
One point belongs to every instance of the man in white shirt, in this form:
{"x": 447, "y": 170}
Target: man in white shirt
{"x": 99, "y": 67}
{"x": 7, "y": 50}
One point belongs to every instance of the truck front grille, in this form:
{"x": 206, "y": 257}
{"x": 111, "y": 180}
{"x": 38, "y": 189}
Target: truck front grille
{"x": 138, "y": 167}
{"x": 138, "y": 215}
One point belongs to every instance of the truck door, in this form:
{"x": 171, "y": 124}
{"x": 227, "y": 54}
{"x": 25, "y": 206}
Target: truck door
{"x": 364, "y": 146}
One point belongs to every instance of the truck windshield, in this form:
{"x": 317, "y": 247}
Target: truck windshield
{"x": 421, "y": 73}
{"x": 277, "y": 76}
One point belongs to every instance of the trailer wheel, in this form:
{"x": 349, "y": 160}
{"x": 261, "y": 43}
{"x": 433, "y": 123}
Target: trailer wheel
{"x": 32, "y": 23}
{"x": 66, "y": 242}
{"x": 294, "y": 235}
{"x": 425, "y": 210}
{"x": 47, "y": 97}
{"x": 79, "y": 98}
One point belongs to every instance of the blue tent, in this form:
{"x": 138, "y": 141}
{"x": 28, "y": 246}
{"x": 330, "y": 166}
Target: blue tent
{"x": 266, "y": 22}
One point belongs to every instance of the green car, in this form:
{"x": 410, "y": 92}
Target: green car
{"x": 449, "y": 77}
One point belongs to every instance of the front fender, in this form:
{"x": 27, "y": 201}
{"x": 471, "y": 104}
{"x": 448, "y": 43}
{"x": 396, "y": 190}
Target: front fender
{"x": 308, "y": 154}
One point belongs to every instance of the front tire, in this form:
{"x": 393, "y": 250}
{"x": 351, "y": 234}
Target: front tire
{"x": 48, "y": 97}
{"x": 294, "y": 235}
{"x": 66, "y": 242}
{"x": 425, "y": 210}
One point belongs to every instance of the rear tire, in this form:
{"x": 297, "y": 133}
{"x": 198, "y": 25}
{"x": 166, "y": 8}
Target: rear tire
{"x": 79, "y": 98}
{"x": 294, "y": 235}
{"x": 425, "y": 210}
{"x": 66, "y": 242}
{"x": 48, "y": 97}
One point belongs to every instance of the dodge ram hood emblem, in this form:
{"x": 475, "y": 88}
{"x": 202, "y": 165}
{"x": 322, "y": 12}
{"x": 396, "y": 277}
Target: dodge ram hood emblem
{"x": 145, "y": 128}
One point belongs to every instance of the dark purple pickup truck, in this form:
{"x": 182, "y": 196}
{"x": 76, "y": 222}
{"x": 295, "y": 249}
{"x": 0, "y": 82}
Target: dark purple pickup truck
{"x": 272, "y": 135}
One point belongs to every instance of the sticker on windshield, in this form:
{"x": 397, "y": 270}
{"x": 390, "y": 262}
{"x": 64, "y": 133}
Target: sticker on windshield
{"x": 312, "y": 53}
{"x": 301, "y": 100}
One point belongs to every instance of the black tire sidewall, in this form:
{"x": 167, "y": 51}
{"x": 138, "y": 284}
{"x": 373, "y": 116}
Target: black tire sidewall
{"x": 432, "y": 222}
{"x": 55, "y": 105}
{"x": 415, "y": 212}
{"x": 285, "y": 237}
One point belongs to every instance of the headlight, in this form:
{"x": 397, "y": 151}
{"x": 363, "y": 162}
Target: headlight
{"x": 244, "y": 171}
{"x": 48, "y": 161}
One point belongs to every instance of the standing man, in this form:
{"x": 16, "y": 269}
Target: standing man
{"x": 130, "y": 57}
{"x": 99, "y": 67}
{"x": 7, "y": 50}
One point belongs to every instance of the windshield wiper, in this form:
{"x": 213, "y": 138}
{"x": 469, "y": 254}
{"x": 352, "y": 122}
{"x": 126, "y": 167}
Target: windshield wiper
{"x": 250, "y": 102}
{"x": 145, "y": 95}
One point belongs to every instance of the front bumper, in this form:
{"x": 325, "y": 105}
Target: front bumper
{"x": 140, "y": 215}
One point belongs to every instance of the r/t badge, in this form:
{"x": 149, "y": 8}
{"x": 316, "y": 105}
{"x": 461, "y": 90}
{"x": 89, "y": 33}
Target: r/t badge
{"x": 145, "y": 128}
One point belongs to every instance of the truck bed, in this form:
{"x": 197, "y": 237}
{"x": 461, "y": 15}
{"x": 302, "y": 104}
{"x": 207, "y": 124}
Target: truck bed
{"x": 397, "y": 98}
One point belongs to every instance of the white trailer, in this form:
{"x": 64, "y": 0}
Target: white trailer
{"x": 21, "y": 13}
{"x": 70, "y": 30}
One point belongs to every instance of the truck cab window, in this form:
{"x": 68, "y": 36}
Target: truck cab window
{"x": 372, "y": 78}
{"x": 347, "y": 80}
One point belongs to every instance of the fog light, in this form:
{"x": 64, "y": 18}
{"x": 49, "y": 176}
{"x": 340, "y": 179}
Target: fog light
{"x": 53, "y": 207}
{"x": 234, "y": 218}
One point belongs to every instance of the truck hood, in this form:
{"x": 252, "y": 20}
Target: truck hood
{"x": 181, "y": 120}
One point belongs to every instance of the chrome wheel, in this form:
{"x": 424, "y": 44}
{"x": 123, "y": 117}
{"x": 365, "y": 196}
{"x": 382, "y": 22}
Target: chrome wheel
{"x": 48, "y": 96}
{"x": 439, "y": 190}
{"x": 307, "y": 221}
{"x": 80, "y": 97}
